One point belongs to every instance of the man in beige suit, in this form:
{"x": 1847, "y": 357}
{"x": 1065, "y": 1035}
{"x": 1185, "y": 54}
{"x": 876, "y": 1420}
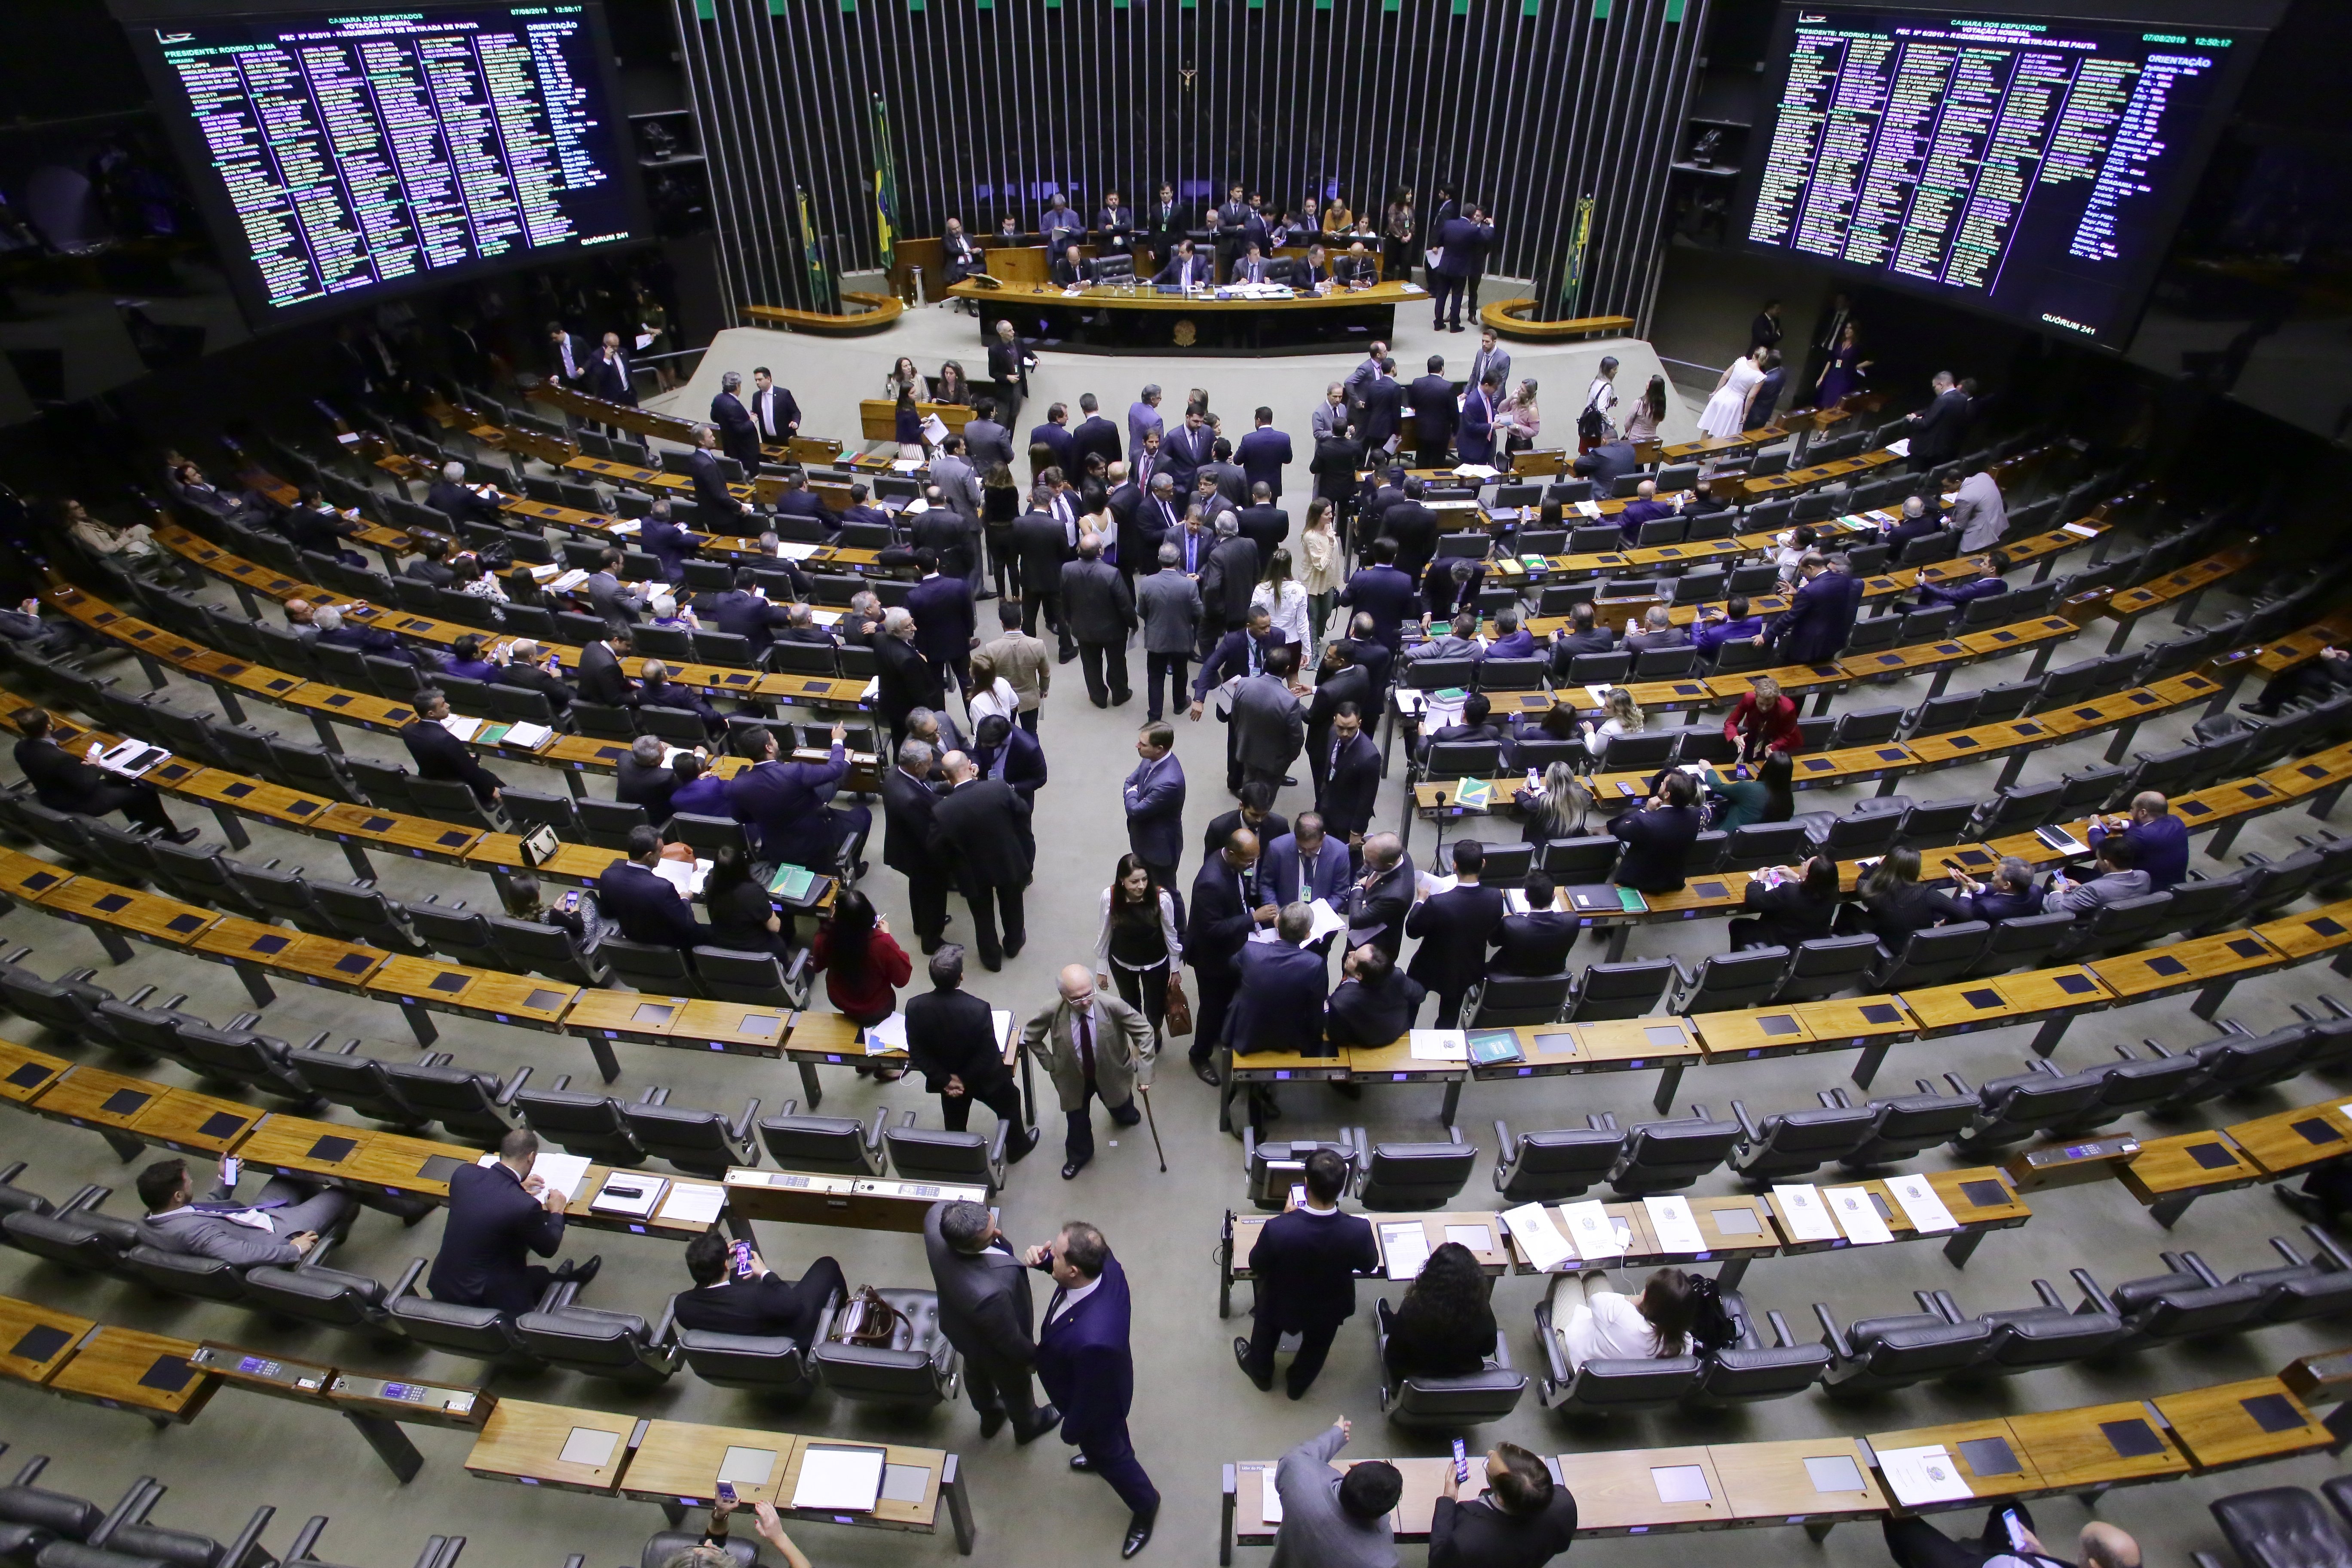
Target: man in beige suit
{"x": 1091, "y": 1044}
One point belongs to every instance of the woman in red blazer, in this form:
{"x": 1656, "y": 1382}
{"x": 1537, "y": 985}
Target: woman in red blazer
{"x": 1764, "y": 721}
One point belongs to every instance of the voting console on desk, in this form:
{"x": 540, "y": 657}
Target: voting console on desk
{"x": 413, "y": 1403}
{"x": 867, "y": 1203}
{"x": 2070, "y": 1164}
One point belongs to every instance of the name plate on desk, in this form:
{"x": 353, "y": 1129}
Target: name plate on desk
{"x": 2069, "y": 1164}
{"x": 424, "y": 1403}
{"x": 920, "y": 1192}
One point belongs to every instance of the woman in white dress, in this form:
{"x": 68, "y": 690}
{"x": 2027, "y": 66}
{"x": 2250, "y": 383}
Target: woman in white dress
{"x": 1611, "y": 1326}
{"x": 1726, "y": 411}
{"x": 990, "y": 693}
{"x": 1284, "y": 597}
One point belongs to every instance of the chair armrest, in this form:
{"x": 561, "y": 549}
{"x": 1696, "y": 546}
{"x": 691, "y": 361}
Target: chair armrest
{"x": 406, "y": 1284}
{"x": 1831, "y": 1336}
{"x": 907, "y": 1119}
{"x": 2094, "y": 1298}
{"x": 2157, "y": 1047}
{"x": 1507, "y": 1148}
{"x": 1555, "y": 1359}
{"x": 138, "y": 998}
{"x": 1748, "y": 1134}
{"x": 246, "y": 1544}
{"x": 1249, "y": 1147}
{"x": 666, "y": 1326}
{"x": 739, "y": 1130}
{"x": 1779, "y": 1329}
{"x": 996, "y": 1144}
{"x": 2200, "y": 1269}
{"x": 2295, "y": 1259}
{"x": 873, "y": 1134}
{"x": 1457, "y": 1135}
{"x": 1947, "y": 1307}
{"x": 317, "y": 1255}
{"x": 2049, "y": 1293}
{"x": 1960, "y": 1085}
{"x": 512, "y": 1087}
{"x": 2332, "y": 1250}
{"x": 654, "y": 1095}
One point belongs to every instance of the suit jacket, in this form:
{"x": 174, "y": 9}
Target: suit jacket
{"x": 1265, "y": 528}
{"x": 1021, "y": 763}
{"x": 1352, "y": 684}
{"x": 1606, "y": 464}
{"x": 1786, "y": 915}
{"x": 908, "y": 807}
{"x": 1263, "y": 455}
{"x": 1226, "y": 582}
{"x": 742, "y": 614}
{"x": 985, "y": 1306}
{"x": 493, "y": 1226}
{"x": 1278, "y": 1005}
{"x": 610, "y": 600}
{"x": 783, "y": 805}
{"x": 651, "y": 787}
{"x": 1154, "y": 797}
{"x": 769, "y": 1306}
{"x": 1039, "y": 540}
{"x": 1477, "y": 1534}
{"x": 1476, "y": 439}
{"x": 1657, "y": 843}
{"x": 1812, "y": 628}
{"x": 1183, "y": 450}
{"x": 960, "y": 484}
{"x": 438, "y": 754}
{"x": 63, "y": 782}
{"x": 1058, "y": 439}
{"x": 1328, "y": 420}
{"x": 1005, "y": 366}
{"x": 738, "y": 436}
{"x": 670, "y": 543}
{"x": 1287, "y": 882}
{"x": 1351, "y": 784}
{"x": 1454, "y": 928}
{"x": 199, "y": 1234}
{"x": 774, "y": 415}
{"x": 950, "y": 535}
{"x": 1433, "y": 413}
{"x": 1414, "y": 528}
{"x": 1376, "y": 913}
{"x": 2163, "y": 851}
{"x": 1094, "y": 434}
{"x": 1304, "y": 1268}
{"x": 1095, "y": 604}
{"x": 953, "y": 1034}
{"x": 1199, "y": 272}
{"x": 1167, "y": 603}
{"x": 988, "y": 443}
{"x": 1268, "y": 728}
{"x": 1936, "y": 436}
{"x": 1334, "y": 466}
{"x": 1233, "y": 485}
{"x": 944, "y": 622}
{"x": 1141, "y": 417}
{"x": 907, "y": 680}
{"x": 1083, "y": 1359}
{"x": 1386, "y": 593}
{"x": 711, "y": 496}
{"x": 1535, "y": 943}
{"x": 1383, "y": 412}
{"x": 647, "y": 907}
{"x": 1361, "y": 1014}
{"x": 1225, "y": 824}
{"x": 609, "y": 379}
{"x": 1219, "y": 920}
{"x": 978, "y": 823}
{"x": 1464, "y": 244}
{"x": 460, "y": 505}
{"x": 601, "y": 680}
{"x": 1497, "y": 363}
{"x": 1122, "y": 1040}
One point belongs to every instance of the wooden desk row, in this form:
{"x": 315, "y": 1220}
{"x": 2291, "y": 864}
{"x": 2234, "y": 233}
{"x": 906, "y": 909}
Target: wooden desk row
{"x": 1822, "y": 1482}
{"x": 1738, "y": 1227}
{"x": 118, "y": 1369}
{"x": 2168, "y": 1174}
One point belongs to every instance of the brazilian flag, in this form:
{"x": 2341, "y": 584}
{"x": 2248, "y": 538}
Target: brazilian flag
{"x": 885, "y": 186}
{"x": 819, "y": 293}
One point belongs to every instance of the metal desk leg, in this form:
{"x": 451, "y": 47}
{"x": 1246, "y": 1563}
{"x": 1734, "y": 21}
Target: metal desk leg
{"x": 2046, "y": 1038}
{"x": 1670, "y": 1078}
{"x": 2218, "y": 847}
{"x": 118, "y": 947}
{"x": 1733, "y": 1271}
{"x": 579, "y": 782}
{"x": 390, "y": 1443}
{"x": 1936, "y": 689}
{"x": 2008, "y": 774}
{"x": 1822, "y": 703}
{"x": 2123, "y": 635}
{"x": 1028, "y": 1090}
{"x": 359, "y": 860}
{"x": 155, "y": 670}
{"x": 2209, "y": 1001}
{"x": 2041, "y": 661}
{"x": 1225, "y": 1521}
{"x": 245, "y": 597}
{"x": 2338, "y": 1423}
{"x": 810, "y": 1085}
{"x": 1889, "y": 784}
{"x": 1225, "y": 1269}
{"x": 1452, "y": 1099}
{"x": 420, "y": 1022}
{"x": 959, "y": 1501}
{"x": 1617, "y": 939}
{"x": 674, "y": 1515}
{"x": 2322, "y": 804}
{"x": 1961, "y": 1248}
{"x": 2187, "y": 606}
{"x": 232, "y": 829}
{"x": 2122, "y": 743}
{"x": 229, "y": 704}
{"x": 326, "y": 734}
{"x": 600, "y": 1051}
{"x": 257, "y": 984}
{"x": 2168, "y": 1211}
{"x": 1872, "y": 1058}
{"x": 124, "y": 1146}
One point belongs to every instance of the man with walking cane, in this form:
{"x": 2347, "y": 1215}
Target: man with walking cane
{"x": 1092, "y": 1045}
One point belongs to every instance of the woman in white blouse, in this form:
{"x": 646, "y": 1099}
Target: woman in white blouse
{"x": 1619, "y": 715}
{"x": 990, "y": 693}
{"x": 1284, "y": 597}
{"x": 1607, "y": 1325}
{"x": 474, "y": 583}
{"x": 1324, "y": 577}
{"x": 1138, "y": 948}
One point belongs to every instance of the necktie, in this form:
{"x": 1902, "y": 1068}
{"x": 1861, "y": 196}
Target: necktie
{"x": 569, "y": 368}
{"x": 1087, "y": 1042}
{"x": 1332, "y": 766}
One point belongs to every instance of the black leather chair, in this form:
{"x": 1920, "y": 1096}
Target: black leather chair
{"x": 472, "y": 1106}
{"x": 1272, "y": 1168}
{"x": 1826, "y": 966}
{"x": 1874, "y": 1354}
{"x": 1630, "y": 990}
{"x": 699, "y": 1142}
{"x": 183, "y": 1274}
{"x": 1790, "y": 1144}
{"x": 2282, "y": 1527}
{"x": 594, "y": 1126}
{"x": 74, "y": 1234}
{"x": 597, "y": 1343}
{"x": 829, "y": 1145}
{"x": 768, "y": 1364}
{"x": 1399, "y": 1177}
{"x": 2189, "y": 1302}
{"x": 2013, "y": 1108}
{"x": 1602, "y": 1386}
{"x": 2305, "y": 1288}
{"x": 355, "y": 1082}
{"x": 1907, "y": 1123}
{"x": 336, "y": 1298}
{"x": 1559, "y": 1164}
{"x": 1450, "y": 1404}
{"x": 1730, "y": 982}
{"x": 918, "y": 1367}
{"x": 1667, "y": 1156}
{"x": 1507, "y": 1001}
{"x": 935, "y": 1154}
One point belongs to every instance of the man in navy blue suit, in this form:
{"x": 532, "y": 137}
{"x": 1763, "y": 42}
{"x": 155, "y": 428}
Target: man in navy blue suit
{"x": 1476, "y": 437}
{"x": 1812, "y": 628}
{"x": 2159, "y": 838}
{"x": 1154, "y": 796}
{"x": 1645, "y": 507}
{"x": 1462, "y": 242}
{"x": 1433, "y": 414}
{"x": 1086, "y": 1366}
{"x": 1454, "y": 928}
{"x": 711, "y": 496}
{"x": 498, "y": 1215}
{"x": 1278, "y": 993}
{"x": 1262, "y": 454}
{"x": 742, "y": 612}
{"x": 739, "y": 438}
{"x": 1227, "y": 905}
{"x": 1186, "y": 270}
{"x": 1991, "y": 570}
{"x": 944, "y": 618}
{"x": 667, "y": 541}
{"x": 783, "y": 805}
{"x": 1351, "y": 779}
{"x": 1384, "y": 591}
{"x": 1187, "y": 446}
{"x": 647, "y": 907}
{"x": 1304, "y": 1266}
{"x": 1054, "y": 436}
{"x": 1306, "y": 863}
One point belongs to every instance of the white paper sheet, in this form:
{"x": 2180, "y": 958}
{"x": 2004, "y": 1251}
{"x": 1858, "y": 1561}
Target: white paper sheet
{"x": 935, "y": 429}
{"x": 1429, "y": 886}
{"x": 1680, "y": 1483}
{"x": 841, "y": 1480}
{"x": 530, "y": 736}
{"x": 1532, "y": 1226}
{"x": 587, "y": 1445}
{"x": 1925, "y": 1210}
{"x": 1856, "y": 1215}
{"x": 1269, "y": 1502}
{"x": 1900, "y": 448}
{"x": 461, "y": 727}
{"x": 630, "y": 1193}
{"x": 1440, "y": 1046}
{"x": 1674, "y": 1225}
{"x": 686, "y": 878}
{"x": 795, "y": 549}
{"x": 1404, "y": 1247}
{"x": 1917, "y": 1476}
{"x": 565, "y": 1173}
{"x": 1589, "y": 509}
{"x": 1591, "y": 1230}
{"x": 626, "y": 528}
{"x": 1001, "y": 1020}
{"x": 2080, "y": 530}
{"x": 693, "y": 1203}
{"x": 889, "y": 1034}
{"x": 1802, "y": 1211}
{"x": 1477, "y": 1237}
{"x": 1327, "y": 920}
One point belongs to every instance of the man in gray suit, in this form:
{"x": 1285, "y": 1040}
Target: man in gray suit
{"x": 957, "y": 481}
{"x": 1492, "y": 359}
{"x": 282, "y": 1227}
{"x": 1098, "y": 610}
{"x": 987, "y": 442}
{"x": 1228, "y": 581}
{"x": 986, "y": 1312}
{"x": 1170, "y": 605}
{"x": 1269, "y": 730}
{"x": 1331, "y": 416}
{"x": 1141, "y": 416}
{"x": 613, "y": 599}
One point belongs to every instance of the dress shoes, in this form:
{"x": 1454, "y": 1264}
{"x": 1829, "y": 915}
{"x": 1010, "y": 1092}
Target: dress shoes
{"x": 992, "y": 1422}
{"x": 1048, "y": 1417}
{"x": 1071, "y": 1168}
{"x": 1081, "y": 1464}
{"x": 1206, "y": 1073}
{"x": 2302, "y": 1203}
{"x": 1264, "y": 1381}
{"x": 580, "y": 1273}
{"x": 1138, "y": 1535}
{"x": 1012, "y": 949}
{"x": 185, "y": 836}
{"x": 1018, "y": 1151}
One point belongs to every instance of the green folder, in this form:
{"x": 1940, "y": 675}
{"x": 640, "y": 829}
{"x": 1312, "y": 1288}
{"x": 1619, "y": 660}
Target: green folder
{"x": 491, "y": 735}
{"x": 1492, "y": 1047}
{"x": 791, "y": 883}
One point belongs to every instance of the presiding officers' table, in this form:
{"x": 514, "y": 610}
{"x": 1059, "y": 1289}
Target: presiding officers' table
{"x": 1108, "y": 318}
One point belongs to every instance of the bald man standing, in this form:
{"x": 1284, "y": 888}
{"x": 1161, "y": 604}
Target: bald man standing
{"x": 1091, "y": 1044}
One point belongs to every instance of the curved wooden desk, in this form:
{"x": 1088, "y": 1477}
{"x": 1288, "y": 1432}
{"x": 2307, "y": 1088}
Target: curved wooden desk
{"x": 1510, "y": 320}
{"x": 876, "y": 312}
{"x": 1107, "y": 319}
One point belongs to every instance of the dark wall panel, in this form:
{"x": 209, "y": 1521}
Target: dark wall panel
{"x": 1523, "y": 104}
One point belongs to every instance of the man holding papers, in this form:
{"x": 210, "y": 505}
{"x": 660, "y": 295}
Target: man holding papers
{"x": 1304, "y": 1268}
{"x": 1455, "y": 927}
{"x": 498, "y": 1215}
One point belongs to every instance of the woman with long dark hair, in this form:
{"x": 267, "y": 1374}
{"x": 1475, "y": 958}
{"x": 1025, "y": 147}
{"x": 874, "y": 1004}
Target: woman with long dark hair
{"x": 1764, "y": 798}
{"x": 1613, "y": 1326}
{"x": 1896, "y": 904}
{"x": 1139, "y": 948}
{"x": 1444, "y": 1327}
{"x": 742, "y": 920}
{"x": 863, "y": 964}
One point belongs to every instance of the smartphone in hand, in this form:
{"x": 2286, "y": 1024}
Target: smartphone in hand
{"x": 1461, "y": 1464}
{"x": 727, "y": 1491}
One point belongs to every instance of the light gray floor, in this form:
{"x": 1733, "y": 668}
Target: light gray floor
{"x": 1193, "y": 1408}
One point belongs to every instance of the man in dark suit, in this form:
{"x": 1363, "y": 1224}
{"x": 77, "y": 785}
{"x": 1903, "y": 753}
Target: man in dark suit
{"x": 64, "y": 783}
{"x": 1306, "y": 863}
{"x": 1040, "y": 540}
{"x": 989, "y": 443}
{"x": 1263, "y": 523}
{"x": 951, "y": 1040}
{"x": 756, "y": 1301}
{"x": 1008, "y": 368}
{"x": 452, "y": 499}
{"x": 1226, "y": 906}
{"x": 1115, "y": 221}
{"x": 1462, "y": 241}
{"x": 1222, "y": 478}
{"x": 602, "y": 679}
{"x": 438, "y": 754}
{"x": 1364, "y": 646}
{"x": 1382, "y": 415}
{"x": 1351, "y": 779}
{"x": 1154, "y": 796}
{"x": 797, "y": 500}
{"x": 1657, "y": 836}
{"x": 1094, "y": 436}
{"x": 1814, "y": 627}
{"x": 2009, "y": 896}
{"x": 498, "y": 1215}
{"x": 742, "y": 612}
{"x": 2159, "y": 840}
{"x": 1645, "y": 507}
{"x": 910, "y": 804}
{"x": 568, "y": 355}
{"x": 647, "y": 906}
{"x": 1087, "y": 1368}
{"x": 1476, "y": 435}
{"x": 906, "y": 678}
{"x": 661, "y": 537}
{"x": 978, "y": 827}
{"x": 1255, "y": 812}
{"x": 775, "y": 416}
{"x": 783, "y": 805}
{"x": 1937, "y": 429}
{"x": 1278, "y": 992}
{"x": 1414, "y": 528}
{"x": 985, "y": 1310}
{"x": 1165, "y": 221}
{"x": 1054, "y": 436}
{"x": 1913, "y": 522}
{"x": 1265, "y": 727}
{"x": 1374, "y": 1004}
{"x": 1098, "y": 610}
{"x": 432, "y": 562}
{"x": 1303, "y": 1266}
{"x": 738, "y": 437}
{"x": 643, "y": 779}
{"x": 1991, "y": 570}
{"x": 1185, "y": 449}
{"x": 1186, "y": 270}
{"x": 1262, "y": 454}
{"x": 1250, "y": 266}
{"x": 608, "y": 374}
{"x": 1381, "y": 897}
{"x": 1228, "y": 581}
{"x": 712, "y": 500}
{"x": 1536, "y": 943}
{"x": 1433, "y": 413}
{"x": 1231, "y": 222}
{"x": 1340, "y": 679}
{"x": 1454, "y": 928}
{"x": 1069, "y": 266}
{"x": 945, "y": 622}
{"x": 1523, "y": 1522}
{"x": 1384, "y": 592}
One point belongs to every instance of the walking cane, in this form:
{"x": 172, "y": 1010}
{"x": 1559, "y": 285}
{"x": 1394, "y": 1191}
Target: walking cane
{"x": 1153, "y": 1123}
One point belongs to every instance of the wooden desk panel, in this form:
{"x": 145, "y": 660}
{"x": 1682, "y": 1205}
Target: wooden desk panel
{"x": 523, "y": 1441}
{"x": 2190, "y": 1161}
{"x": 1616, "y": 1495}
{"x": 25, "y": 1073}
{"x": 2311, "y": 934}
{"x": 25, "y": 877}
{"x": 419, "y": 836}
{"x": 2291, "y": 1139}
{"x": 151, "y": 916}
{"x": 1770, "y": 1481}
{"x": 801, "y": 1198}
{"x": 2020, "y": 1478}
{"x": 255, "y": 1372}
{"x": 195, "y": 1123}
{"x": 125, "y": 1370}
{"x": 890, "y": 1513}
{"x": 2083, "y": 1448}
{"x": 92, "y": 1097}
{"x": 483, "y": 993}
{"x": 2183, "y": 965}
{"x": 298, "y": 1146}
{"x": 2240, "y": 1423}
{"x": 36, "y": 1340}
{"x": 416, "y": 1167}
{"x": 679, "y": 1462}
